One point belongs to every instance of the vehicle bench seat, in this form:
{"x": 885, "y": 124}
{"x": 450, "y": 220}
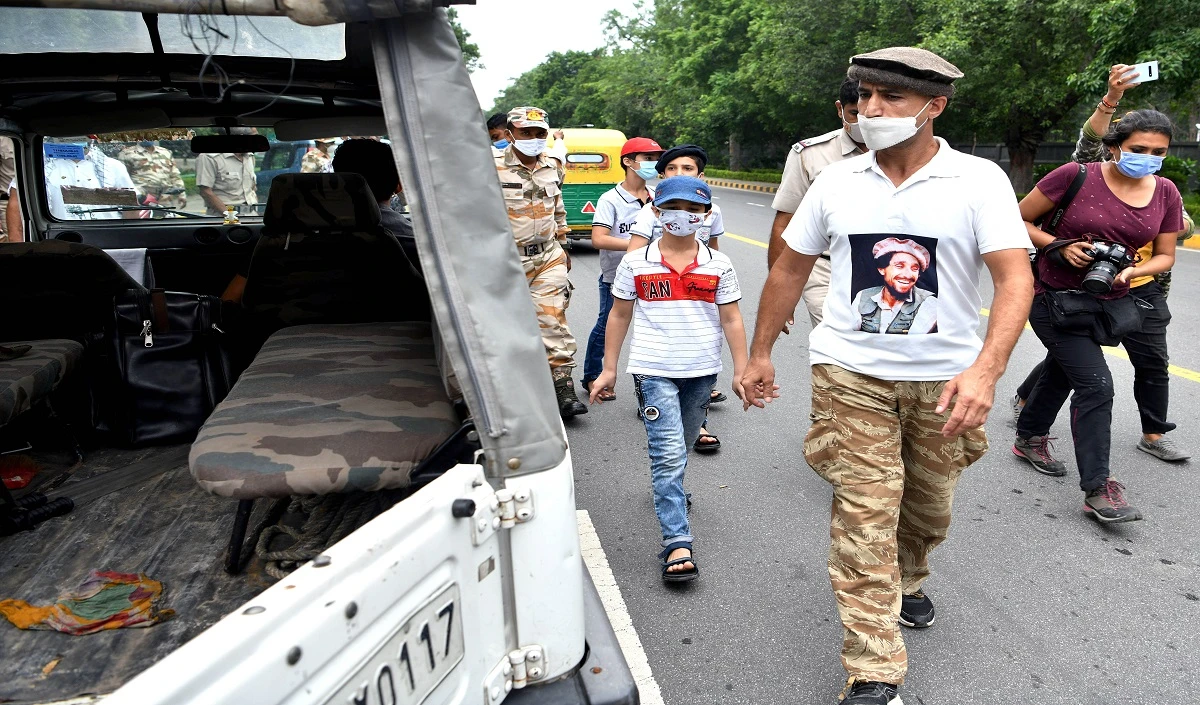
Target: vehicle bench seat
{"x": 31, "y": 377}
{"x": 328, "y": 408}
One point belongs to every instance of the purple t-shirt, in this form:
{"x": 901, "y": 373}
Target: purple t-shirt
{"x": 1098, "y": 215}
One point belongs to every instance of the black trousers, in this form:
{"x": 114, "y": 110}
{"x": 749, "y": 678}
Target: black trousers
{"x": 1076, "y": 363}
{"x": 1148, "y": 353}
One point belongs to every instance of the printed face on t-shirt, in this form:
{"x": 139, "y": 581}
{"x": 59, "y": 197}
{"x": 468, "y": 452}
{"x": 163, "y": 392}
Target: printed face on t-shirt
{"x": 900, "y": 275}
{"x": 894, "y": 283}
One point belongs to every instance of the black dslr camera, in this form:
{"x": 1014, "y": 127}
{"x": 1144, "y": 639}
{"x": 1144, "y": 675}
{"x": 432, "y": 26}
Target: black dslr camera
{"x": 1108, "y": 259}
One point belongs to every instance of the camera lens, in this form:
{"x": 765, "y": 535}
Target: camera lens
{"x": 1099, "y": 278}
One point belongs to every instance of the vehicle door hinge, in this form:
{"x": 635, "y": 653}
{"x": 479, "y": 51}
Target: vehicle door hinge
{"x": 520, "y": 668}
{"x": 502, "y": 510}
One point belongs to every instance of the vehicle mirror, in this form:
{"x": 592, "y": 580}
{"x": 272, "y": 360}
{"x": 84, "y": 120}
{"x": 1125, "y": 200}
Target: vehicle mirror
{"x": 236, "y": 144}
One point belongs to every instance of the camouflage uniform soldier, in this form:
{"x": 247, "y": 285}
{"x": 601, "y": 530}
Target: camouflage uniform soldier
{"x": 318, "y": 161}
{"x": 896, "y": 415}
{"x": 154, "y": 172}
{"x": 532, "y": 185}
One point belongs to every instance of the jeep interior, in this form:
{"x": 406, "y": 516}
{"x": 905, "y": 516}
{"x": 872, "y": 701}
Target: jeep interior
{"x": 311, "y": 405}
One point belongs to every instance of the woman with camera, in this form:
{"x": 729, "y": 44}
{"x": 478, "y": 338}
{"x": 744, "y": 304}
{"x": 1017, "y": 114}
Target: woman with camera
{"x": 1084, "y": 269}
{"x": 1151, "y": 381}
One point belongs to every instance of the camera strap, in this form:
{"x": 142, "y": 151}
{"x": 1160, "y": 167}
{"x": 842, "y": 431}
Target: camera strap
{"x": 1051, "y": 225}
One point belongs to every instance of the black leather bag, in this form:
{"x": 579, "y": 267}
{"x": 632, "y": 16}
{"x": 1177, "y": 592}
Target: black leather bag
{"x": 169, "y": 363}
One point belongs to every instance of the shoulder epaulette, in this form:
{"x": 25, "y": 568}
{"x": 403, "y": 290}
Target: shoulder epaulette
{"x": 812, "y": 141}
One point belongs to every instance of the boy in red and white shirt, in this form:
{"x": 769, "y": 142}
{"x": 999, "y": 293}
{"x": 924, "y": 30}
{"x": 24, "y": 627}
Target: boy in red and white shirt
{"x": 682, "y": 299}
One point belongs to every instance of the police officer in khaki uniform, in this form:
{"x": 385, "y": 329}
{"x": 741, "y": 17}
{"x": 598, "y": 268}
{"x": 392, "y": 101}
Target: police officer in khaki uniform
{"x": 531, "y": 181}
{"x": 228, "y": 179}
{"x": 806, "y": 160}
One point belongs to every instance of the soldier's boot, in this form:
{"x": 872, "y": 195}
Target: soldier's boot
{"x": 568, "y": 403}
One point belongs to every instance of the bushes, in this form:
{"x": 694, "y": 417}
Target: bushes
{"x": 767, "y": 175}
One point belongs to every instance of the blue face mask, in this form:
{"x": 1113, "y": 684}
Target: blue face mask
{"x": 647, "y": 170}
{"x": 1135, "y": 166}
{"x": 500, "y": 144}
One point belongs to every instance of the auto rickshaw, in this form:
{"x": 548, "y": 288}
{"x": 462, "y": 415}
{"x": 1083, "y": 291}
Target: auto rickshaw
{"x": 593, "y": 167}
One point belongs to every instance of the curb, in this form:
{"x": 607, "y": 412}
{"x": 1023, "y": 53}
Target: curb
{"x": 1192, "y": 243}
{"x": 741, "y": 185}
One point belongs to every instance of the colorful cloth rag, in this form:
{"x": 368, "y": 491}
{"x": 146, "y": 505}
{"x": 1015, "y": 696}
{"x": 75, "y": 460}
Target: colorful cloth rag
{"x": 106, "y": 600}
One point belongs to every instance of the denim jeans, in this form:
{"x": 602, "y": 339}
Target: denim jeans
{"x": 593, "y": 360}
{"x": 672, "y": 410}
{"x": 1148, "y": 352}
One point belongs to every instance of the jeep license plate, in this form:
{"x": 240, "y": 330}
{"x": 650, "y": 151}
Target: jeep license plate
{"x": 413, "y": 660}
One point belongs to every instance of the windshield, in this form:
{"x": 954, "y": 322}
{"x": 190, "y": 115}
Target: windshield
{"x": 40, "y": 30}
{"x": 154, "y": 174}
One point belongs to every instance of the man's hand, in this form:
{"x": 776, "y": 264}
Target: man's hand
{"x": 558, "y": 134}
{"x": 787, "y": 327}
{"x": 756, "y": 380}
{"x": 606, "y": 380}
{"x": 973, "y": 392}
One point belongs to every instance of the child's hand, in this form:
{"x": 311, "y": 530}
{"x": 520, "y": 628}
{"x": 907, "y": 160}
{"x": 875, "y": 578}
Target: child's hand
{"x": 606, "y": 380}
{"x": 737, "y": 386}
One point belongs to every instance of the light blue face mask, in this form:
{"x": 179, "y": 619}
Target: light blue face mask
{"x": 1135, "y": 165}
{"x": 500, "y": 144}
{"x": 647, "y": 170}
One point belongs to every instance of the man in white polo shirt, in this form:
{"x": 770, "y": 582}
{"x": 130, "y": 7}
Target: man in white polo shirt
{"x": 897, "y": 412}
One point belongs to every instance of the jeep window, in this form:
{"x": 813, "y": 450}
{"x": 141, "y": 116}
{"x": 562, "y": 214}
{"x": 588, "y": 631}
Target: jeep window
{"x": 147, "y": 175}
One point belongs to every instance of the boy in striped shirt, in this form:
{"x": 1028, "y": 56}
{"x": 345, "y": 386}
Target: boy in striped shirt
{"x": 682, "y": 299}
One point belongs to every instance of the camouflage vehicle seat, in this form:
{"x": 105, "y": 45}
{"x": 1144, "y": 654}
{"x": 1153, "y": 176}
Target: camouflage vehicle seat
{"x": 324, "y": 258}
{"x": 30, "y": 370}
{"x": 331, "y": 408}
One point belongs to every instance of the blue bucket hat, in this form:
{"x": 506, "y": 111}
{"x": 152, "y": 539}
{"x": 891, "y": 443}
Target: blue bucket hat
{"x": 682, "y": 188}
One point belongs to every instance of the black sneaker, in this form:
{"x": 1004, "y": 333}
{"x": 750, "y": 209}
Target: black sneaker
{"x": 1036, "y": 449}
{"x": 1106, "y": 504}
{"x": 916, "y": 611}
{"x": 871, "y": 693}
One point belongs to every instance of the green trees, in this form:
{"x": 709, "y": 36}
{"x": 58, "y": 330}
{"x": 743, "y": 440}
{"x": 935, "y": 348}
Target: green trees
{"x": 745, "y": 78}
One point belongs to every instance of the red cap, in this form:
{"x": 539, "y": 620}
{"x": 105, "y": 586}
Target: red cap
{"x": 640, "y": 145}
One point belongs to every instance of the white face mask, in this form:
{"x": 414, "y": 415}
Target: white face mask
{"x": 530, "y": 148}
{"x": 681, "y": 223}
{"x": 883, "y": 132}
{"x": 854, "y": 130}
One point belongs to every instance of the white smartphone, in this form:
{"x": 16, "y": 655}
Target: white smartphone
{"x": 1140, "y": 73}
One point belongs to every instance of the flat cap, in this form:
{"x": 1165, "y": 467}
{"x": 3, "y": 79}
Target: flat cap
{"x": 916, "y": 69}
{"x": 682, "y": 150}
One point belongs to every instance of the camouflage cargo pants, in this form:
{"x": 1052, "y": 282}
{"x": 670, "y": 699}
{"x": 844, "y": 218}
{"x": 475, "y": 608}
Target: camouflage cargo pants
{"x": 551, "y": 292}
{"x": 893, "y": 474}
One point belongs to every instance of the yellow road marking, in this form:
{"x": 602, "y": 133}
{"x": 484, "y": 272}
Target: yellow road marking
{"x": 747, "y": 240}
{"x": 1190, "y": 375}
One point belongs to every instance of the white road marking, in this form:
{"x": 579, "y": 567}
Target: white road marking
{"x": 750, "y": 203}
{"x": 614, "y": 605}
